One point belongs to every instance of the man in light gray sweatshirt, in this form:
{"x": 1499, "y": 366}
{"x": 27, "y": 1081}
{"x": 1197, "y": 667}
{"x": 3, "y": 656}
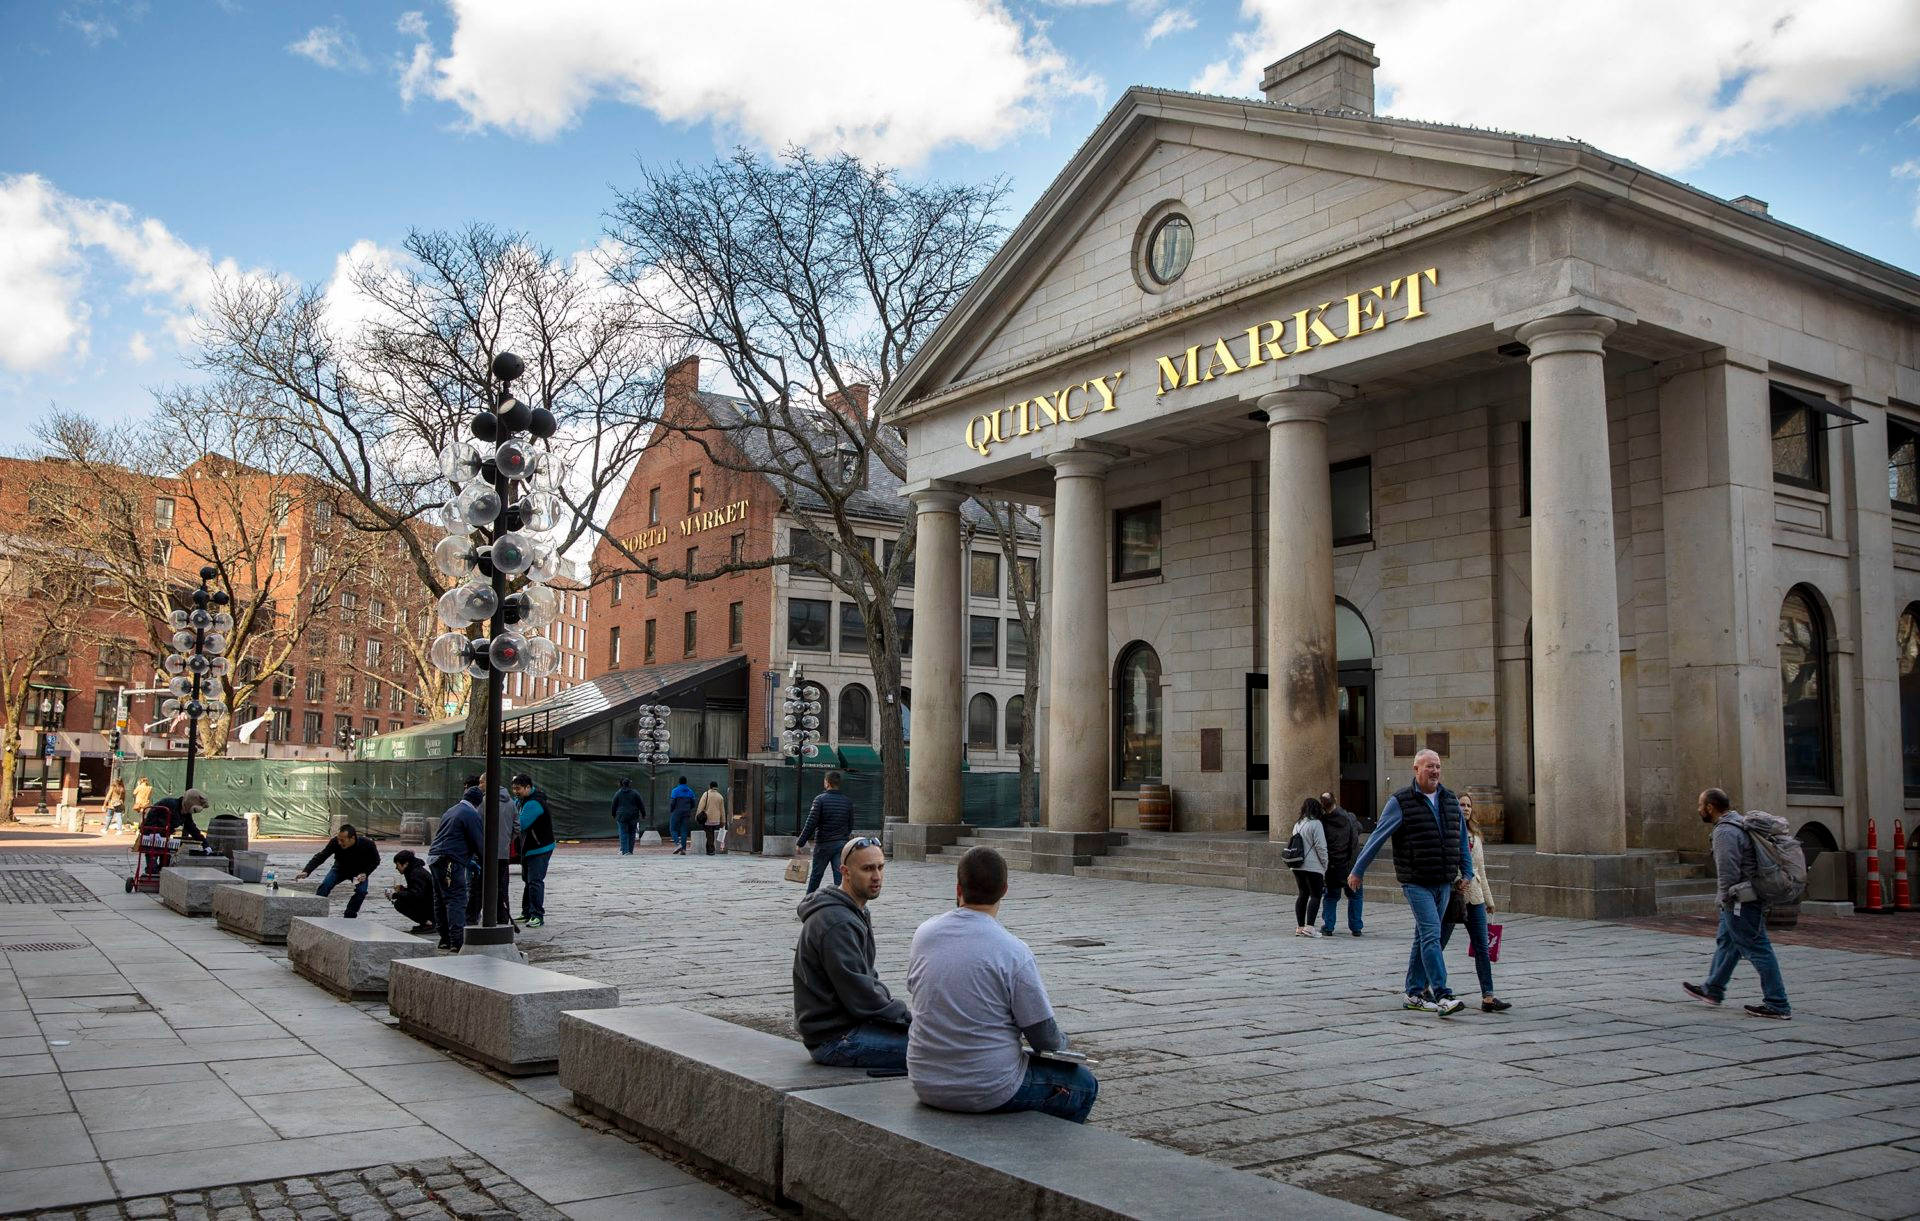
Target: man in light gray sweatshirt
{"x": 1743, "y": 919}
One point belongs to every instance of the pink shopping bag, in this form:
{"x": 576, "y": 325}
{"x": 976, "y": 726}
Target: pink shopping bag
{"x": 1493, "y": 944}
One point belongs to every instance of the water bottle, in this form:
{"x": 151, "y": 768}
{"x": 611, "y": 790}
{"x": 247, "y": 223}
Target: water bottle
{"x": 271, "y": 879}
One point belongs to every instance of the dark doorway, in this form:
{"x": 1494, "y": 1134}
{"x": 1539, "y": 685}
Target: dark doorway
{"x": 1359, "y": 778}
{"x": 1256, "y": 723}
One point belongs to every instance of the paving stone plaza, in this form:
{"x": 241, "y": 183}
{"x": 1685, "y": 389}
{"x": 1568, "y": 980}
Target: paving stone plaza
{"x": 165, "y": 1061}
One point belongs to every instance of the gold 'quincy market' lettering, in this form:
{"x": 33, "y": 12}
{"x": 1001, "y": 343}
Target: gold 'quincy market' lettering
{"x": 1029, "y": 416}
{"x": 1318, "y": 326}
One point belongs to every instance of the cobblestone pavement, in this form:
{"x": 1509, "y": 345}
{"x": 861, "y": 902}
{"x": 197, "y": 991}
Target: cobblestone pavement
{"x": 1892, "y": 933}
{"x": 1604, "y": 1092}
{"x": 42, "y": 886}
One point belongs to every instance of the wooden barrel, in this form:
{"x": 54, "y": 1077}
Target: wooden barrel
{"x": 226, "y": 835}
{"x": 1489, "y": 811}
{"x": 413, "y": 828}
{"x": 1156, "y": 807}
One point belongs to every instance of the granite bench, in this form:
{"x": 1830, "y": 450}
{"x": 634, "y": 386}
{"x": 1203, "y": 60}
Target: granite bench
{"x": 708, "y": 1089}
{"x": 252, "y": 911}
{"x": 189, "y": 890}
{"x": 873, "y": 1150}
{"x": 503, "y": 1014}
{"x": 349, "y": 957}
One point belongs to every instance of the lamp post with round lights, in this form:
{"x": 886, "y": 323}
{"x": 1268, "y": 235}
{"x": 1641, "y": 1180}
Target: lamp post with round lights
{"x": 53, "y": 714}
{"x": 653, "y": 736}
{"x": 500, "y": 560}
{"x": 198, "y": 661}
{"x": 800, "y": 735}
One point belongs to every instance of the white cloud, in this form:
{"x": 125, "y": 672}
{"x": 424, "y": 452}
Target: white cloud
{"x": 345, "y": 307}
{"x": 412, "y": 24}
{"x": 139, "y": 349}
{"x": 1910, "y": 169}
{"x": 331, "y": 46}
{"x": 1665, "y": 84}
{"x": 1169, "y": 21}
{"x": 874, "y": 77}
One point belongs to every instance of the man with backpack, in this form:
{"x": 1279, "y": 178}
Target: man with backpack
{"x": 1746, "y": 884}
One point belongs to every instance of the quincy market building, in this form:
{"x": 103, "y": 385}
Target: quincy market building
{"x": 1354, "y": 435}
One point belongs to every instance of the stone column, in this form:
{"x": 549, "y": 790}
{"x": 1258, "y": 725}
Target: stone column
{"x": 1079, "y": 777}
{"x": 1577, "y": 734}
{"x": 939, "y": 667}
{"x": 1303, "y": 689}
{"x": 1867, "y": 724}
{"x": 1044, "y": 609}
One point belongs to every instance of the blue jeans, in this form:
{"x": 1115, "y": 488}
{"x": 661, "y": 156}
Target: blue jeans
{"x": 1743, "y": 934}
{"x": 868, "y": 1045}
{"x": 825, "y": 856}
{"x": 112, "y": 822}
{"x": 1329, "y": 906}
{"x": 1477, "y": 942}
{"x": 1426, "y": 968}
{"x": 677, "y": 826}
{"x": 533, "y": 885}
{"x": 627, "y": 830}
{"x": 1065, "y": 1091}
{"x": 359, "y": 891}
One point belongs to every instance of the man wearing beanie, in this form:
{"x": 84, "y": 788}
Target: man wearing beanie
{"x": 455, "y": 847}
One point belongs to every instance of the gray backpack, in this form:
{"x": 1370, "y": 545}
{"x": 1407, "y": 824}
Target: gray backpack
{"x": 1782, "y": 876}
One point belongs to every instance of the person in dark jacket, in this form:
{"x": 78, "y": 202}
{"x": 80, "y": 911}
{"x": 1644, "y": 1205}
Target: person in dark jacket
{"x": 628, "y": 810}
{"x": 413, "y": 898}
{"x": 680, "y": 804}
{"x": 172, "y": 816}
{"x": 1343, "y": 844}
{"x": 354, "y": 856}
{"x": 1431, "y": 859}
{"x": 536, "y": 849}
{"x": 830, "y": 823}
{"x": 455, "y": 847}
{"x": 845, "y": 1015}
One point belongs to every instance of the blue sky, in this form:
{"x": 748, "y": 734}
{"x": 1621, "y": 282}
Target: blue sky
{"x": 149, "y": 145}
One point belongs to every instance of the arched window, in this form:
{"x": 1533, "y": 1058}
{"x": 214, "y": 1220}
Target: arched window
{"x": 1016, "y": 720}
{"x": 1137, "y": 715}
{"x": 1805, "y": 698}
{"x": 1351, "y": 639}
{"x": 981, "y": 722}
{"x": 1907, "y": 640}
{"x": 906, "y": 714}
{"x": 856, "y": 715}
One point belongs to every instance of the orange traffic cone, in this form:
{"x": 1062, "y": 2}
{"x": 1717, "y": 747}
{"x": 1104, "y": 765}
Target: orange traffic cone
{"x": 1902, "y": 894}
{"x": 1876, "y": 902}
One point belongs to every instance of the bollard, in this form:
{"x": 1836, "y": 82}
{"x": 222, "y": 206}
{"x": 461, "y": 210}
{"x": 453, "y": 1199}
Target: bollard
{"x": 1876, "y": 902}
{"x": 1902, "y": 892}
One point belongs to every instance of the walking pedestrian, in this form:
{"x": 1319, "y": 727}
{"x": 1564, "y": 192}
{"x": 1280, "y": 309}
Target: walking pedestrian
{"x": 536, "y": 849}
{"x": 712, "y": 812}
{"x": 113, "y": 820}
{"x": 1430, "y": 858}
{"x": 450, "y": 857}
{"x": 1344, "y": 838}
{"x": 142, "y": 797}
{"x": 354, "y": 857}
{"x": 1310, "y": 875}
{"x": 1471, "y": 906}
{"x": 628, "y": 810}
{"x": 829, "y": 823}
{"x": 680, "y": 815}
{"x": 1743, "y": 918}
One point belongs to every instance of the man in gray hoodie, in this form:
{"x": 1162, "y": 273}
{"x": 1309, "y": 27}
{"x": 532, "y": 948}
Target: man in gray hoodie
{"x": 1743, "y": 918}
{"x": 845, "y": 1015}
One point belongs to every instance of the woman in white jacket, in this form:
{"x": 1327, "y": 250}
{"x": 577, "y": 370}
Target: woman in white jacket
{"x": 1310, "y": 875}
{"x": 1475, "y": 904}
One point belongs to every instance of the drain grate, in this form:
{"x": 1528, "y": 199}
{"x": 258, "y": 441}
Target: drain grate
{"x": 27, "y": 947}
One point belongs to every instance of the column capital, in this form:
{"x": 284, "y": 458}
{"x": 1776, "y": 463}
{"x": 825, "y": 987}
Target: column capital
{"x": 1080, "y": 463}
{"x": 1298, "y": 406}
{"x": 929, "y": 496}
{"x": 1565, "y": 333}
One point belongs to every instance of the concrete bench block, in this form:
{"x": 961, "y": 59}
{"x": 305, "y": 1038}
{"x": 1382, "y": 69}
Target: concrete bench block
{"x": 503, "y": 1014}
{"x": 189, "y": 891}
{"x": 254, "y": 912}
{"x": 705, "y": 1088}
{"x": 349, "y": 957}
{"x": 874, "y": 1151}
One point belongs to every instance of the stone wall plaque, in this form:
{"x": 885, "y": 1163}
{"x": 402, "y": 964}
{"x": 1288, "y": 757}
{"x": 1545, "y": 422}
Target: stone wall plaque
{"x": 1212, "y": 748}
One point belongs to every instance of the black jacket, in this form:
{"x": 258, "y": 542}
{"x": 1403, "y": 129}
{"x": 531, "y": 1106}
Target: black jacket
{"x": 165, "y": 817}
{"x": 362, "y": 858}
{"x": 537, "y": 834}
{"x": 627, "y": 806}
{"x": 835, "y": 987}
{"x": 416, "y": 883}
{"x": 830, "y": 820}
{"x": 1343, "y": 843}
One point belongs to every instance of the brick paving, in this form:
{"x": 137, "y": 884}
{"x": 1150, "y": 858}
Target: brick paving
{"x": 42, "y": 886}
{"x": 1896, "y": 933}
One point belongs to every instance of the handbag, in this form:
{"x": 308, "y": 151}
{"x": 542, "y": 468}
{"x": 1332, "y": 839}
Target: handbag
{"x": 799, "y": 869}
{"x": 1493, "y": 943}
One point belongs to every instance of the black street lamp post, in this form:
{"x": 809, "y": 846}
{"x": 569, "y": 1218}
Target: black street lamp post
{"x": 198, "y": 661}
{"x": 801, "y": 731}
{"x": 53, "y": 714}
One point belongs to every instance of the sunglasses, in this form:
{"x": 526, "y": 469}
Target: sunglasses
{"x": 865, "y": 841}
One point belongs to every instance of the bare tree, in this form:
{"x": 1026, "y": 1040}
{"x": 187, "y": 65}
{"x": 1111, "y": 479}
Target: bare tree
{"x": 1011, "y": 527}
{"x": 44, "y": 597}
{"x": 372, "y": 386}
{"x": 813, "y": 282}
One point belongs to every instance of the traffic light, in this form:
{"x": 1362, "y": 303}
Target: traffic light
{"x": 116, "y": 743}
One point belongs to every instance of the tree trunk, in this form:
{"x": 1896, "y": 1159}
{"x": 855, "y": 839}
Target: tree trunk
{"x": 9, "y": 769}
{"x": 1029, "y": 774}
{"x": 893, "y": 744}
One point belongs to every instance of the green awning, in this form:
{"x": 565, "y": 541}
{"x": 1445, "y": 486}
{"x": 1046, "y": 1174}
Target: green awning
{"x": 859, "y": 758}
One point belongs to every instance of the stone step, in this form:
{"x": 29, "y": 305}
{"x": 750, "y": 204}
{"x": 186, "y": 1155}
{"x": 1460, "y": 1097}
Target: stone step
{"x": 1680, "y": 870}
{"x": 1683, "y": 887}
{"x": 1236, "y": 856}
{"x": 1686, "y": 905}
{"x": 1168, "y": 877}
{"x": 1180, "y": 864}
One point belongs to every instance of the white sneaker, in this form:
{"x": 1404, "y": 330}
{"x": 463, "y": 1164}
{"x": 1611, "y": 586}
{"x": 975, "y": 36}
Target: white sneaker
{"x": 1310, "y": 932}
{"x": 1450, "y": 1006}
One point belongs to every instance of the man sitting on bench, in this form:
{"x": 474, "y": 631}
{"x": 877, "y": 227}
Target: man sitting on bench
{"x": 976, "y": 990}
{"x": 845, "y": 1015}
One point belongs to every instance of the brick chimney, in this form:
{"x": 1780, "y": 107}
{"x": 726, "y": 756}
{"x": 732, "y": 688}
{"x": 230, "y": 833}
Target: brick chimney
{"x": 1335, "y": 73}
{"x": 852, "y": 404}
{"x": 683, "y": 379}
{"x": 1747, "y": 203}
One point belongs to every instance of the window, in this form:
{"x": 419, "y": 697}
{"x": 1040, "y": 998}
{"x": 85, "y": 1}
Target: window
{"x": 162, "y": 552}
{"x": 853, "y": 629}
{"x": 281, "y": 727}
{"x": 689, "y": 633}
{"x": 373, "y": 653}
{"x": 802, "y": 545}
{"x": 310, "y": 729}
{"x": 983, "y": 641}
{"x": 856, "y": 715}
{"x": 613, "y": 648}
{"x": 114, "y": 661}
{"x": 319, "y": 559}
{"x": 1526, "y": 470}
{"x": 906, "y": 571}
{"x": 983, "y": 579}
{"x": 982, "y": 722}
{"x": 653, "y": 506}
{"x": 1136, "y": 542}
{"x": 1352, "y": 501}
{"x": 850, "y": 564}
{"x": 396, "y": 699}
{"x": 371, "y": 699}
{"x": 807, "y": 623}
{"x": 616, "y": 591}
{"x": 279, "y": 553}
{"x": 1798, "y": 455}
{"x": 349, "y": 605}
{"x": 163, "y": 513}
{"x": 1016, "y": 720}
{"x": 649, "y": 640}
{"x": 736, "y": 624}
{"x": 695, "y": 493}
{"x": 345, "y": 694}
{"x": 105, "y": 705}
{"x": 653, "y": 586}
{"x": 1907, "y": 644}
{"x": 1026, "y": 577}
{"x": 377, "y": 611}
{"x": 736, "y": 548}
{"x": 393, "y": 727}
{"x": 903, "y": 624}
{"x": 343, "y": 644}
{"x": 1170, "y": 249}
{"x": 370, "y": 726}
{"x": 1903, "y": 465}
{"x": 1137, "y": 715}
{"x": 1016, "y": 645}
{"x": 323, "y": 515}
{"x": 343, "y": 730}
{"x": 316, "y": 684}
{"x": 693, "y": 561}
{"x": 1804, "y": 694}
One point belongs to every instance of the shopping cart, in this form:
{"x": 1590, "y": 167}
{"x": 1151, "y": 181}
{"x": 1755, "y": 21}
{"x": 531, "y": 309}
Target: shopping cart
{"x": 152, "y": 852}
